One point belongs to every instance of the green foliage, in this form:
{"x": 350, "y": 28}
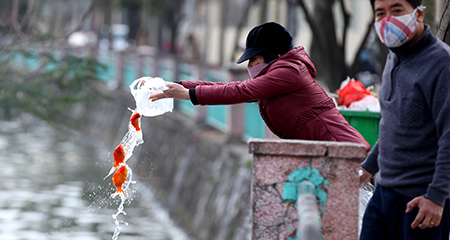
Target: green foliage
{"x": 211, "y": 177}
{"x": 248, "y": 164}
{"x": 37, "y": 74}
{"x": 45, "y": 84}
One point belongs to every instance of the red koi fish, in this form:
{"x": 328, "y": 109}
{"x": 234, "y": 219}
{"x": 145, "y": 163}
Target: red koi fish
{"x": 119, "y": 158}
{"x": 119, "y": 178}
{"x": 134, "y": 120}
{"x": 119, "y": 155}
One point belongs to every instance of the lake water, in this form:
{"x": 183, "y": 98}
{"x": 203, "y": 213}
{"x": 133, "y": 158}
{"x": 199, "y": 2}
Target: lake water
{"x": 52, "y": 187}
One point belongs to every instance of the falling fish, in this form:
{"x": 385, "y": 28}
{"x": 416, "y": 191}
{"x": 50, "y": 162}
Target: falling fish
{"x": 119, "y": 155}
{"x": 119, "y": 158}
{"x": 119, "y": 178}
{"x": 134, "y": 131}
{"x": 134, "y": 120}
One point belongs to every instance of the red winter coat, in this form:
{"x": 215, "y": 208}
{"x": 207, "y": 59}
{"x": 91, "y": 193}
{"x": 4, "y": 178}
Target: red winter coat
{"x": 290, "y": 101}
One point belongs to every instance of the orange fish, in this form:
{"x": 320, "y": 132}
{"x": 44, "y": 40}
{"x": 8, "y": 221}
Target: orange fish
{"x": 135, "y": 121}
{"x": 119, "y": 155}
{"x": 119, "y": 178}
{"x": 119, "y": 158}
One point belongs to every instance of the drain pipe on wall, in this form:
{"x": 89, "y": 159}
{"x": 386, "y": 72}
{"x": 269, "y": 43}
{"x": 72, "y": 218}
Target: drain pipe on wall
{"x": 308, "y": 212}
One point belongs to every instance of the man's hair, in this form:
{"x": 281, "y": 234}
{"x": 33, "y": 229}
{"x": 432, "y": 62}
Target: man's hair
{"x": 414, "y": 3}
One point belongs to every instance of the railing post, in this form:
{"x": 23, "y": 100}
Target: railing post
{"x": 236, "y": 117}
{"x": 144, "y": 52}
{"x": 120, "y": 61}
{"x": 280, "y": 166}
{"x": 201, "y": 111}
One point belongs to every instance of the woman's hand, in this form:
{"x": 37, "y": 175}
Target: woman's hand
{"x": 175, "y": 91}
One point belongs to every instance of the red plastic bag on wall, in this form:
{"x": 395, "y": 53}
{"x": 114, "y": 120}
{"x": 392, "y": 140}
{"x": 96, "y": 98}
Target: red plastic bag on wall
{"x": 352, "y": 92}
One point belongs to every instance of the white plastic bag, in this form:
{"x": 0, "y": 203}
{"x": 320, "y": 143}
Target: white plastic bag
{"x": 368, "y": 103}
{"x": 142, "y": 88}
{"x": 365, "y": 193}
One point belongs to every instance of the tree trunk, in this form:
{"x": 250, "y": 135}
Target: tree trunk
{"x": 357, "y": 63}
{"x": 173, "y": 18}
{"x": 241, "y": 24}
{"x": 444, "y": 24}
{"x": 223, "y": 28}
{"x": 327, "y": 53}
{"x": 134, "y": 21}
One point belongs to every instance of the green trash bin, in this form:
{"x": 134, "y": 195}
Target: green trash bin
{"x": 365, "y": 122}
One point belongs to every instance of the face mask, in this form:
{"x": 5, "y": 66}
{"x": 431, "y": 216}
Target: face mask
{"x": 255, "y": 70}
{"x": 395, "y": 31}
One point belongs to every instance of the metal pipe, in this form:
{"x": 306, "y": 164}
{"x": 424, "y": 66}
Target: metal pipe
{"x": 308, "y": 212}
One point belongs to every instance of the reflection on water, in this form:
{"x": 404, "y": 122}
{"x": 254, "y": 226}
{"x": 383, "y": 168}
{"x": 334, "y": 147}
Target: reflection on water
{"x": 52, "y": 187}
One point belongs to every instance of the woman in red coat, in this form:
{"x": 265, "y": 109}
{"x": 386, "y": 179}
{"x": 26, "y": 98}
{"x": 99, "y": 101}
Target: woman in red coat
{"x": 290, "y": 101}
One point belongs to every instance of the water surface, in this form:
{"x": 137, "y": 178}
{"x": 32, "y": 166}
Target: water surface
{"x": 52, "y": 187}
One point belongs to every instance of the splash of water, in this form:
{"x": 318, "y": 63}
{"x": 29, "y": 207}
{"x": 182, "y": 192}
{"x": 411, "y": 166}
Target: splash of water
{"x": 120, "y": 209}
{"x": 131, "y": 139}
{"x": 117, "y": 221}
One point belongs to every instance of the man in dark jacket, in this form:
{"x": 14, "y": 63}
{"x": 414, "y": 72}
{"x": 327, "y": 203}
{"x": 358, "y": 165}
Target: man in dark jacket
{"x": 411, "y": 159}
{"x": 291, "y": 102}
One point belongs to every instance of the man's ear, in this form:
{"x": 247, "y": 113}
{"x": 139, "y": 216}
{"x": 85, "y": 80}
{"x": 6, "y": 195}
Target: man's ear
{"x": 420, "y": 14}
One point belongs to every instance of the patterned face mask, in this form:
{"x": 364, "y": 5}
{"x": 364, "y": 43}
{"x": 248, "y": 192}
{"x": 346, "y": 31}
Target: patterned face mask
{"x": 395, "y": 31}
{"x": 255, "y": 70}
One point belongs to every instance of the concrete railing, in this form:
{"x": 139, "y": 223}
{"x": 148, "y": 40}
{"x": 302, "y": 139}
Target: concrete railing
{"x": 280, "y": 166}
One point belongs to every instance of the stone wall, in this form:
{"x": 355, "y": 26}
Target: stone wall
{"x": 202, "y": 180}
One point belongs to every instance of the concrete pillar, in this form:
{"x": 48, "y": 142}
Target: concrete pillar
{"x": 143, "y": 53}
{"x": 200, "y": 111}
{"x": 120, "y": 61}
{"x": 236, "y": 116}
{"x": 278, "y": 168}
{"x": 236, "y": 120}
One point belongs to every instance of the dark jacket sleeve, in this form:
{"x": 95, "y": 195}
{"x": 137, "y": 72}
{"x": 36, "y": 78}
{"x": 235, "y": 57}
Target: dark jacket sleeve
{"x": 439, "y": 189}
{"x": 371, "y": 162}
{"x": 192, "y": 96}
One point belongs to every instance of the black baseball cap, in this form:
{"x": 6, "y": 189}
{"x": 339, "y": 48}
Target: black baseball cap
{"x": 270, "y": 37}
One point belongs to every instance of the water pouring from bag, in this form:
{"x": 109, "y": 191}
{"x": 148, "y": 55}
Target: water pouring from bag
{"x": 141, "y": 89}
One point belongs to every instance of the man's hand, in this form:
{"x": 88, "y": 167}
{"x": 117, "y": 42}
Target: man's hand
{"x": 175, "y": 91}
{"x": 366, "y": 176}
{"x": 429, "y": 215}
